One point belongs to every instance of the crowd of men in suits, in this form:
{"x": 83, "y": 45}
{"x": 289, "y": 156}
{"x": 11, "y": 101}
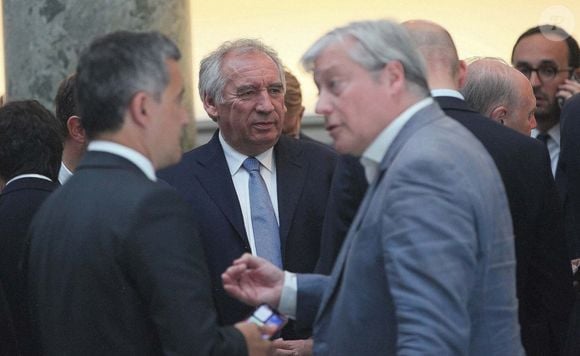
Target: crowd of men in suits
{"x": 444, "y": 221}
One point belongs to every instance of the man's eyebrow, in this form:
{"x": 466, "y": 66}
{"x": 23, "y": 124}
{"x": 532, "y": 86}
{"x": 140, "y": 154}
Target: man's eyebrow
{"x": 244, "y": 88}
{"x": 543, "y": 62}
{"x": 548, "y": 61}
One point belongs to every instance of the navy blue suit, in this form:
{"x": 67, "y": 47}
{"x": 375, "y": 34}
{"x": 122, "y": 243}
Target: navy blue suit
{"x": 304, "y": 172}
{"x": 19, "y": 202}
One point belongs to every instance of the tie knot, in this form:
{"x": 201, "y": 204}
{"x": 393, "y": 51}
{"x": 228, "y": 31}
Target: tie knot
{"x": 251, "y": 164}
{"x": 543, "y": 137}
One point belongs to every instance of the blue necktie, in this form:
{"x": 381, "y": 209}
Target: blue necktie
{"x": 264, "y": 224}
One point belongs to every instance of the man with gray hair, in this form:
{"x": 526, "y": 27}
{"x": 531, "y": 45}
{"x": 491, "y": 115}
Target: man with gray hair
{"x": 500, "y": 92}
{"x": 116, "y": 266}
{"x": 428, "y": 264}
{"x": 252, "y": 189}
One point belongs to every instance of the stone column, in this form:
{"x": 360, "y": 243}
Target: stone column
{"x": 43, "y": 38}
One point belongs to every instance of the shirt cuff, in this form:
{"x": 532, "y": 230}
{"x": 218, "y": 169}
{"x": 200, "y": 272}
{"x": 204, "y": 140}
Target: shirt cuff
{"x": 289, "y": 295}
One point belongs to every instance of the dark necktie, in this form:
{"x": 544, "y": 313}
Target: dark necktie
{"x": 264, "y": 224}
{"x": 543, "y": 137}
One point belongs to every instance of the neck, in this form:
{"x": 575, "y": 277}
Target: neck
{"x": 442, "y": 82}
{"x": 71, "y": 156}
{"x": 544, "y": 124}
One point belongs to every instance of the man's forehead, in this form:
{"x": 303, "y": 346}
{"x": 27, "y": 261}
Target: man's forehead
{"x": 331, "y": 59}
{"x": 537, "y": 48}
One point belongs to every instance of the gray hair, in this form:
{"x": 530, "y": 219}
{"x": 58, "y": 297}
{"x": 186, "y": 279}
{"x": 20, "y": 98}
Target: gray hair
{"x": 488, "y": 84}
{"x": 212, "y": 80}
{"x": 377, "y": 43}
{"x": 113, "y": 69}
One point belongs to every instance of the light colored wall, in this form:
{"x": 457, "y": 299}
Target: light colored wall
{"x": 483, "y": 28}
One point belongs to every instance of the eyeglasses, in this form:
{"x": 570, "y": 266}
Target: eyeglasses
{"x": 545, "y": 72}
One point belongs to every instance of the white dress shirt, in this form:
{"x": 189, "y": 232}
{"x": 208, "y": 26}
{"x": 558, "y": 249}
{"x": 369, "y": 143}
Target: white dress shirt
{"x": 241, "y": 179}
{"x": 64, "y": 173}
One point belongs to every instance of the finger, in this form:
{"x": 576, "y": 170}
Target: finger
{"x": 564, "y": 94}
{"x": 243, "y": 259}
{"x": 235, "y": 292}
{"x": 281, "y": 352}
{"x": 282, "y": 344}
{"x": 570, "y": 86}
{"x": 268, "y": 329}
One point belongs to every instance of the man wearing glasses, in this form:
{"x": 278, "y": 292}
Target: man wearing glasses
{"x": 548, "y": 56}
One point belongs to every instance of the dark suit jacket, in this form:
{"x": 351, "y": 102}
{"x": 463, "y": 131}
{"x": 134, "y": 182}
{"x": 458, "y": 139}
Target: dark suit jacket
{"x": 346, "y": 192}
{"x": 543, "y": 269}
{"x": 8, "y": 342}
{"x": 19, "y": 202}
{"x": 117, "y": 268}
{"x": 568, "y": 171}
{"x": 568, "y": 181}
{"x": 304, "y": 172}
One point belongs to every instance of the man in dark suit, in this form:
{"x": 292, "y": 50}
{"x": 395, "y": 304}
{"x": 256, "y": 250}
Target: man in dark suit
{"x": 116, "y": 265}
{"x": 30, "y": 152}
{"x": 242, "y": 88}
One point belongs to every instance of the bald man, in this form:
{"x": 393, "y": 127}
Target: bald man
{"x": 544, "y": 280}
{"x": 501, "y": 93}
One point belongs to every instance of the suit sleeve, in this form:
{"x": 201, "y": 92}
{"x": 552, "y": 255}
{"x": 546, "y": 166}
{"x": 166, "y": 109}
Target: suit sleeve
{"x": 429, "y": 248}
{"x": 165, "y": 261}
{"x": 311, "y": 287}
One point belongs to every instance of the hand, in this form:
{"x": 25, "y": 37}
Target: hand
{"x": 292, "y": 347}
{"x": 567, "y": 89}
{"x": 256, "y": 343}
{"x": 254, "y": 280}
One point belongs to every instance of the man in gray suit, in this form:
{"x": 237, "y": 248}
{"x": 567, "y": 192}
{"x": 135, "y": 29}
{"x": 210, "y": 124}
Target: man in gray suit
{"x": 428, "y": 264}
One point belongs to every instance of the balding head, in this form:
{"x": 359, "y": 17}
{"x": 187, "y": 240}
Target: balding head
{"x": 500, "y": 92}
{"x": 444, "y": 69}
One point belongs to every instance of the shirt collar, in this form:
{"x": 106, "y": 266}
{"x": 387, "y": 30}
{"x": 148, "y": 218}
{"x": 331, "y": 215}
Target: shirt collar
{"x": 447, "y": 92}
{"x": 29, "y": 175}
{"x": 235, "y": 159}
{"x": 373, "y": 155}
{"x": 64, "y": 173}
{"x": 554, "y": 133}
{"x": 130, "y": 154}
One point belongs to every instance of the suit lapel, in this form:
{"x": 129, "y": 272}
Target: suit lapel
{"x": 290, "y": 179}
{"x": 214, "y": 176}
{"x": 419, "y": 120}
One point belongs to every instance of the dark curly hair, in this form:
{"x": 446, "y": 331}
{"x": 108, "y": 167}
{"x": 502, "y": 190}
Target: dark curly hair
{"x": 31, "y": 140}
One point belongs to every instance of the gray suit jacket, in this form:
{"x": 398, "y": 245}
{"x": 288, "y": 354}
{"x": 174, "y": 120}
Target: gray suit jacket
{"x": 428, "y": 265}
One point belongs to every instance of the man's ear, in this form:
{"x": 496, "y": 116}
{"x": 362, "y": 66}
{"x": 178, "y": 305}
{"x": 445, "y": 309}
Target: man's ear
{"x": 394, "y": 74}
{"x": 210, "y": 107}
{"x": 140, "y": 108}
{"x": 498, "y": 114}
{"x": 76, "y": 130}
{"x": 301, "y": 113}
{"x": 461, "y": 74}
